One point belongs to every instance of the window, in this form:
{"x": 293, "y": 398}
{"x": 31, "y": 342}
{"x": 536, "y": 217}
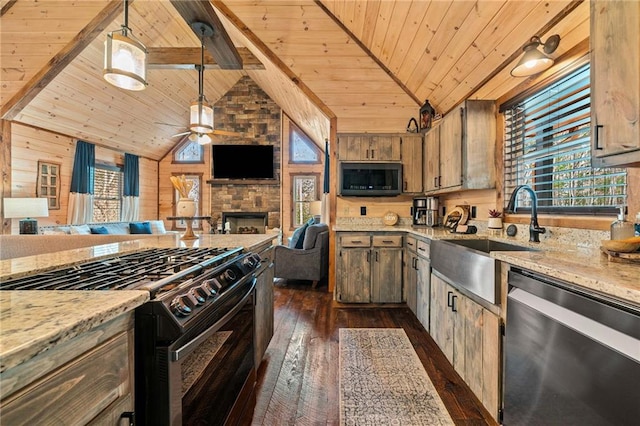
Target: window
{"x": 49, "y": 183}
{"x": 547, "y": 146}
{"x": 302, "y": 149}
{"x": 305, "y": 190}
{"x": 107, "y": 196}
{"x": 188, "y": 153}
{"x": 194, "y": 194}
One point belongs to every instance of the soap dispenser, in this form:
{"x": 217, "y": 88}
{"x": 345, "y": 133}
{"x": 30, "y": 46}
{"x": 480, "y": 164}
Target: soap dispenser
{"x": 621, "y": 228}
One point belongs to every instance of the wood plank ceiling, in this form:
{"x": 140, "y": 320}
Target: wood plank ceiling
{"x": 370, "y": 63}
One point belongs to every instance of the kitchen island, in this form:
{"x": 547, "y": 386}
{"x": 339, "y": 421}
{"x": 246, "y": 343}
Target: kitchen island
{"x": 55, "y": 340}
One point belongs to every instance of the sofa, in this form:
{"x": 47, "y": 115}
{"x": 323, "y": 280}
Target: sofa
{"x": 311, "y": 262}
{"x": 54, "y": 238}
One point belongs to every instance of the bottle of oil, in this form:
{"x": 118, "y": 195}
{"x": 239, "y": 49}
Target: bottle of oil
{"x": 621, "y": 228}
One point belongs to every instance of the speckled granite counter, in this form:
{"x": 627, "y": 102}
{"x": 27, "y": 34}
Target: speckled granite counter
{"x": 582, "y": 265}
{"x": 33, "y": 264}
{"x": 35, "y": 321}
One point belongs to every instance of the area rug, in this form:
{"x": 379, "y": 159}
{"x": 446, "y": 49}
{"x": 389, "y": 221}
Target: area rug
{"x": 383, "y": 382}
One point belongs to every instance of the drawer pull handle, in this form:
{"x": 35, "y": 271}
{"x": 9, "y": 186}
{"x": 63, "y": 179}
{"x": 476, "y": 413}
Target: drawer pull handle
{"x": 453, "y": 304}
{"x": 356, "y": 241}
{"x": 422, "y": 249}
{"x": 387, "y": 241}
{"x": 449, "y": 294}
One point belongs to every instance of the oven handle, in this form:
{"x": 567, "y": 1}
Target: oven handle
{"x": 189, "y": 347}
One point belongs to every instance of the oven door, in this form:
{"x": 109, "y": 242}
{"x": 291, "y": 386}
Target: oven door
{"x": 206, "y": 378}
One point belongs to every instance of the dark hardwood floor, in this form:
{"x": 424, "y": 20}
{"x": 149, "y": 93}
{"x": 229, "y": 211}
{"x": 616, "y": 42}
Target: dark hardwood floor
{"x": 298, "y": 379}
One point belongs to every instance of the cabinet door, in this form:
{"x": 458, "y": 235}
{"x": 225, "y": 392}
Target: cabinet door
{"x": 471, "y": 314}
{"x": 383, "y": 148}
{"x": 411, "y": 281}
{"x": 441, "y": 319}
{"x": 263, "y": 312}
{"x": 424, "y": 291}
{"x": 451, "y": 150}
{"x": 354, "y": 275}
{"x": 412, "y": 163}
{"x": 615, "y": 82}
{"x": 352, "y": 147}
{"x": 387, "y": 267}
{"x": 432, "y": 159}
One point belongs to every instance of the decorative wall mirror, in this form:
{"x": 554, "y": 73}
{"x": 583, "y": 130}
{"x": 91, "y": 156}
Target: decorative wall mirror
{"x": 48, "y": 185}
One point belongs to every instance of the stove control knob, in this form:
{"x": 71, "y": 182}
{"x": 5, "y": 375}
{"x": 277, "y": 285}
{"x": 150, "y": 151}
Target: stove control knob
{"x": 228, "y": 276}
{"x": 180, "y": 307}
{"x": 208, "y": 290}
{"x": 198, "y": 295}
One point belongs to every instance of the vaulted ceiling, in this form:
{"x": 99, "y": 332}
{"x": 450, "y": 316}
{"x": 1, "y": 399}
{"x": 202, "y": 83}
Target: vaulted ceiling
{"x": 368, "y": 63}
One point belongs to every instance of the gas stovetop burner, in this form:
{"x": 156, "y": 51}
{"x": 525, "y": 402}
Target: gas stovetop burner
{"x": 150, "y": 269}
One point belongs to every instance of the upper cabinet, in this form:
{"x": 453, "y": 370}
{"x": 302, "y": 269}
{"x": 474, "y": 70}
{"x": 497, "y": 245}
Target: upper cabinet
{"x": 460, "y": 152}
{"x": 615, "y": 83}
{"x": 369, "y": 147}
{"x": 411, "y": 150}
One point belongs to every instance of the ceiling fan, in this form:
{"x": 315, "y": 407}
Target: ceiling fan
{"x": 201, "y": 112}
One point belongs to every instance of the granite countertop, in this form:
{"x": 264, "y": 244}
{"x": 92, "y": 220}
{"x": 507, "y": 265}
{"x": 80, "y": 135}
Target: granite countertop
{"x": 580, "y": 265}
{"x": 36, "y": 321}
{"x": 32, "y": 322}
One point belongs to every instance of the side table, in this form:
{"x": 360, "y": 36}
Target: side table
{"x": 188, "y": 233}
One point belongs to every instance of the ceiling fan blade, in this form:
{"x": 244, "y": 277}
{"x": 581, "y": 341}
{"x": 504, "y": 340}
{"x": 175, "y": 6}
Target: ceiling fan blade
{"x": 226, "y": 133}
{"x": 167, "y": 124}
{"x": 181, "y": 134}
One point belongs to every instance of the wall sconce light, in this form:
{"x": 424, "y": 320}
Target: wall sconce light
{"x": 201, "y": 113}
{"x": 533, "y": 61}
{"x": 26, "y": 208}
{"x": 125, "y": 58}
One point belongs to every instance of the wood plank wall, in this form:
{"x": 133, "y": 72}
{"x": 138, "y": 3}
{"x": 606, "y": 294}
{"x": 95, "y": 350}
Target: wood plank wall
{"x": 30, "y": 144}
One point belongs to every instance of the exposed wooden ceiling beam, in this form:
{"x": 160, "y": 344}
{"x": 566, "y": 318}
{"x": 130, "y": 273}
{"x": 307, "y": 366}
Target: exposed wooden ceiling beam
{"x": 7, "y": 6}
{"x": 219, "y": 44}
{"x": 188, "y": 57}
{"x": 63, "y": 58}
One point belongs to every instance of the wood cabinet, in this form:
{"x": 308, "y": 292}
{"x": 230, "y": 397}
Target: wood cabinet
{"x": 411, "y": 152}
{"x": 615, "y": 83}
{"x": 86, "y": 380}
{"x": 460, "y": 151}
{"x": 369, "y": 268}
{"x": 264, "y": 322}
{"x": 469, "y": 336}
{"x": 369, "y": 147}
{"x": 410, "y": 274}
{"x": 417, "y": 275}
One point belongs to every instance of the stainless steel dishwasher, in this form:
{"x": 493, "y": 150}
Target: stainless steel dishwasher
{"x": 571, "y": 357}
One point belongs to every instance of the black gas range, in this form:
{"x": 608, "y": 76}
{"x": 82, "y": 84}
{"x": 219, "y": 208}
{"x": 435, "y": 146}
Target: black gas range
{"x": 194, "y": 338}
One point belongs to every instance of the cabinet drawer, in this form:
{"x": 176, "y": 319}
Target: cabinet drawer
{"x": 355, "y": 240}
{"x": 387, "y": 240}
{"x": 424, "y": 249}
{"x": 78, "y": 392}
{"x": 412, "y": 243}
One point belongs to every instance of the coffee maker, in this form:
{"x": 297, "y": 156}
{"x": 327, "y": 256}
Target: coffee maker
{"x": 425, "y": 211}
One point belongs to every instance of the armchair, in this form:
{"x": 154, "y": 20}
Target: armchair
{"x": 311, "y": 262}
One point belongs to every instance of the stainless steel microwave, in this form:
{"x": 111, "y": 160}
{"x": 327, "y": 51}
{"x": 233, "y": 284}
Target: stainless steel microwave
{"x": 370, "y": 179}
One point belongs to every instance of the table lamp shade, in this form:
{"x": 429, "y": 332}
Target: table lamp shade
{"x": 26, "y": 209}
{"x": 315, "y": 208}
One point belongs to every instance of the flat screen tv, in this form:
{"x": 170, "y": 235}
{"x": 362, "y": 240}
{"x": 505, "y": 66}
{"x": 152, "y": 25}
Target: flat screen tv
{"x": 242, "y": 161}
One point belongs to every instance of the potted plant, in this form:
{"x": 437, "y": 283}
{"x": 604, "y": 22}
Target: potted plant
{"x": 495, "y": 219}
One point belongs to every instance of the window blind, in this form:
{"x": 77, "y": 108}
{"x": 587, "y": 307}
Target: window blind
{"x": 107, "y": 197}
{"x": 547, "y": 146}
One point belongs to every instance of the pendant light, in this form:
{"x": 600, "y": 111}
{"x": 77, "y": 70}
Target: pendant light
{"x": 533, "y": 61}
{"x": 201, "y": 117}
{"x": 125, "y": 58}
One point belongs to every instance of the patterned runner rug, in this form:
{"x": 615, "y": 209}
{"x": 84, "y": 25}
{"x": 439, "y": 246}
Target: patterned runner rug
{"x": 383, "y": 382}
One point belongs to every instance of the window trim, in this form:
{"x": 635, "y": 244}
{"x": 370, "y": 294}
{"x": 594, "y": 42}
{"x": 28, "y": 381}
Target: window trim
{"x": 294, "y": 203}
{"x": 197, "y": 223}
{"x": 549, "y": 211}
{"x": 293, "y": 128}
{"x": 112, "y": 168}
{"x": 185, "y": 141}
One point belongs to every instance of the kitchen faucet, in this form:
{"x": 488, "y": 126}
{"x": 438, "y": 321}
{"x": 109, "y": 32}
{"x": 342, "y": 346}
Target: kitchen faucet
{"x": 534, "y": 229}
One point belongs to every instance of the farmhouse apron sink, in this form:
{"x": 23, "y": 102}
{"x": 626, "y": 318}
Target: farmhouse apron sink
{"x": 466, "y": 264}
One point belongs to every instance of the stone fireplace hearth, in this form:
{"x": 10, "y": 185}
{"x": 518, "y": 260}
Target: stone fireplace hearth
{"x": 245, "y": 222}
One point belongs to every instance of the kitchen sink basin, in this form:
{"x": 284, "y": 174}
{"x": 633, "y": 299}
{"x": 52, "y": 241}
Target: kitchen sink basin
{"x": 487, "y": 246}
{"x": 466, "y": 264}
